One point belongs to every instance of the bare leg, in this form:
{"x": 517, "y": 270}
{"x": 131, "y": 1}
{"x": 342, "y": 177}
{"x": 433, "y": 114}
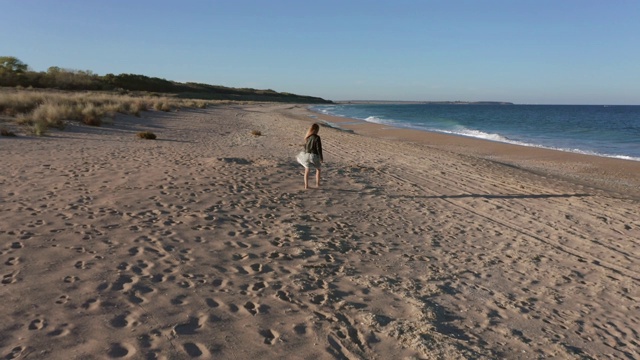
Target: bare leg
{"x": 318, "y": 177}
{"x": 306, "y": 178}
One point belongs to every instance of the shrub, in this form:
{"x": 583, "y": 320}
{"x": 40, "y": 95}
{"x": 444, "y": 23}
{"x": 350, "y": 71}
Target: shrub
{"x": 136, "y": 106}
{"x": 147, "y": 135}
{"x": 23, "y": 119}
{"x": 14, "y": 103}
{"x": 92, "y": 115}
{"x": 51, "y": 114}
{"x": 162, "y": 106}
{"x": 40, "y": 127}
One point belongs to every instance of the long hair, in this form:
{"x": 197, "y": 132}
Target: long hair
{"x": 313, "y": 130}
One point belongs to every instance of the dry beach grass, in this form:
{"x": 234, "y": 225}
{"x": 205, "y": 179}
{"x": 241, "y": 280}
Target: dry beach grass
{"x": 44, "y": 109}
{"x": 202, "y": 244}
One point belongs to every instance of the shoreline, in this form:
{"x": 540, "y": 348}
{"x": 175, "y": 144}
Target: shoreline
{"x": 604, "y": 173}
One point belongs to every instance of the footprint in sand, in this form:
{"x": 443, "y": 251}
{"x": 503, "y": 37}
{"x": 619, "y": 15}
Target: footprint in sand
{"x": 241, "y": 270}
{"x": 78, "y": 249}
{"x": 251, "y": 308}
{"x": 71, "y": 279}
{"x": 62, "y": 330}
{"x": 38, "y": 324}
{"x": 199, "y": 239}
{"x": 12, "y": 261}
{"x": 284, "y": 295}
{"x": 135, "y": 295}
{"x": 184, "y": 255}
{"x": 135, "y": 251}
{"x": 180, "y": 300}
{"x": 91, "y": 304}
{"x": 256, "y": 267}
{"x": 185, "y": 284}
{"x": 278, "y": 255}
{"x": 121, "y": 350}
{"x": 82, "y": 265}
{"x": 10, "y": 278}
{"x": 220, "y": 283}
{"x": 63, "y": 299}
{"x": 158, "y": 278}
{"x": 26, "y": 235}
{"x": 122, "y": 283}
{"x": 15, "y": 352}
{"x": 196, "y": 350}
{"x": 300, "y": 329}
{"x": 151, "y": 340}
{"x": 212, "y": 303}
{"x": 198, "y": 278}
{"x": 124, "y": 320}
{"x": 242, "y": 256}
{"x": 269, "y": 336}
{"x": 279, "y": 242}
{"x": 142, "y": 267}
{"x": 237, "y": 244}
{"x": 191, "y": 327}
{"x": 259, "y": 286}
{"x": 320, "y": 299}
{"x": 322, "y": 284}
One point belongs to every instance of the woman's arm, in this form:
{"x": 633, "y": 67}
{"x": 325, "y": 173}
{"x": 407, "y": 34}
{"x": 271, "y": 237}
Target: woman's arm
{"x": 319, "y": 149}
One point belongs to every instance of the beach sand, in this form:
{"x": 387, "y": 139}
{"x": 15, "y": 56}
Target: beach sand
{"x": 203, "y": 244}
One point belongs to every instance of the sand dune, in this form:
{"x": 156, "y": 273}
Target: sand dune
{"x": 203, "y": 244}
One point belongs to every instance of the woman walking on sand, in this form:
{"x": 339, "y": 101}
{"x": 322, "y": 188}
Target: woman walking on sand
{"x": 312, "y": 154}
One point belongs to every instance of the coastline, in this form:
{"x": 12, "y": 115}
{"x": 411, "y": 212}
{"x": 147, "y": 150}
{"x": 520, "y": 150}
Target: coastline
{"x": 605, "y": 173}
{"x": 204, "y": 244}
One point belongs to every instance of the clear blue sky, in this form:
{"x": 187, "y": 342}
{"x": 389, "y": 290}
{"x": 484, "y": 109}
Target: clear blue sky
{"x": 538, "y": 51}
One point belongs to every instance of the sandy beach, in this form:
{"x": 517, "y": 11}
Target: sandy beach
{"x": 203, "y": 244}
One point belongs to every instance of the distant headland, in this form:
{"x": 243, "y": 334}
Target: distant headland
{"x": 390, "y": 102}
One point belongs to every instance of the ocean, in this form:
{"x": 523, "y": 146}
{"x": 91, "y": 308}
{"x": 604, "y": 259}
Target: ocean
{"x": 608, "y": 131}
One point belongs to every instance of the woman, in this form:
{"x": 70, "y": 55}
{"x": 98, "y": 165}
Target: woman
{"x": 312, "y": 154}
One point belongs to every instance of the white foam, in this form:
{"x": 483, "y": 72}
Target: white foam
{"x": 462, "y": 131}
{"x": 481, "y": 135}
{"x": 499, "y": 138}
{"x": 378, "y": 120}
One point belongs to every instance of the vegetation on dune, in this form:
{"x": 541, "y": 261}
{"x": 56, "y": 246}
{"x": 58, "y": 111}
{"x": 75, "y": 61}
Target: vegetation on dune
{"x": 147, "y": 135}
{"x": 41, "y": 109}
{"x": 14, "y": 72}
{"x": 51, "y": 99}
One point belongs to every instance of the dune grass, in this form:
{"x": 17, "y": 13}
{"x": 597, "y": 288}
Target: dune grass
{"x": 42, "y": 110}
{"x": 147, "y": 135}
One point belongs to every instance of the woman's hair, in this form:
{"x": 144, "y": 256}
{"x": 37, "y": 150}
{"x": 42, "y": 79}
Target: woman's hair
{"x": 313, "y": 130}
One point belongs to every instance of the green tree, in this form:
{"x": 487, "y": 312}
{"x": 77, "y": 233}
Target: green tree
{"x": 12, "y": 65}
{"x": 11, "y": 71}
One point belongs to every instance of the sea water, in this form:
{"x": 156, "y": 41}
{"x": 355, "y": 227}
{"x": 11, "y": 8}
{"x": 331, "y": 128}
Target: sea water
{"x": 609, "y": 131}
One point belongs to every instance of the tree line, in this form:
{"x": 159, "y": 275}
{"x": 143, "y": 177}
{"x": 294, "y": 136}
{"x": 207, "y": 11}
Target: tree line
{"x": 15, "y": 73}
